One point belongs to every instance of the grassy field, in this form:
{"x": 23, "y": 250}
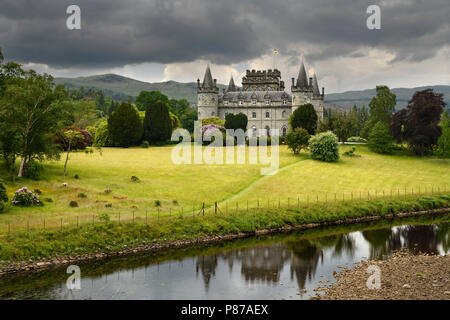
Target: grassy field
{"x": 183, "y": 188}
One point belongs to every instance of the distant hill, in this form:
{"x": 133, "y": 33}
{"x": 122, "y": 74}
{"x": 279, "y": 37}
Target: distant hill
{"x": 119, "y": 87}
{"x": 363, "y": 97}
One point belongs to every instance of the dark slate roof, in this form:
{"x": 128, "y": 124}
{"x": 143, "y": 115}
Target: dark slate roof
{"x": 231, "y": 85}
{"x": 302, "y": 79}
{"x": 207, "y": 80}
{"x": 316, "y": 90}
{"x": 275, "y": 96}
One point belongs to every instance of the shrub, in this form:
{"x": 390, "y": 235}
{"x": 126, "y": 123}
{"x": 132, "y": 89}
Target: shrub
{"x": 76, "y": 176}
{"x": 175, "y": 202}
{"x": 357, "y": 139}
{"x": 145, "y": 144}
{"x": 25, "y": 198}
{"x": 157, "y": 203}
{"x": 33, "y": 170}
{"x": 102, "y": 137}
{"x": 82, "y": 195}
{"x": 3, "y": 197}
{"x": 73, "y": 204}
{"x": 297, "y": 139}
{"x": 38, "y": 191}
{"x": 135, "y": 179}
{"x": 124, "y": 125}
{"x": 104, "y": 217}
{"x": 351, "y": 153}
{"x": 108, "y": 191}
{"x": 3, "y": 194}
{"x": 324, "y": 146}
{"x": 443, "y": 144}
{"x": 108, "y": 205}
{"x": 48, "y": 199}
{"x": 380, "y": 140}
{"x": 157, "y": 122}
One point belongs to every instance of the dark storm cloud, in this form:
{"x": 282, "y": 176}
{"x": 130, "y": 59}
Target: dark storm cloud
{"x": 117, "y": 32}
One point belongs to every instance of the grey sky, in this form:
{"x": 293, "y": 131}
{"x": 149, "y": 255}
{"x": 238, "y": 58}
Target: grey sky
{"x": 154, "y": 40}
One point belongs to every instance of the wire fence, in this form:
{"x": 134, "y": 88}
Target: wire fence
{"x": 204, "y": 209}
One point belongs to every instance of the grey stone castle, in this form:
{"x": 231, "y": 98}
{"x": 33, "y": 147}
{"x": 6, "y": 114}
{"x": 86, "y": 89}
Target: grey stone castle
{"x": 262, "y": 98}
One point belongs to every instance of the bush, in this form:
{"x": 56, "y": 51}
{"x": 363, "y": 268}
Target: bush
{"x": 33, "y": 170}
{"x": 304, "y": 117}
{"x": 351, "y": 153}
{"x": 297, "y": 139}
{"x": 82, "y": 195}
{"x": 135, "y": 179}
{"x": 102, "y": 137}
{"x": 3, "y": 194}
{"x": 356, "y": 139}
{"x": 37, "y": 191}
{"x": 157, "y": 122}
{"x": 104, "y": 217}
{"x": 76, "y": 176}
{"x": 3, "y": 197}
{"x": 124, "y": 125}
{"x": 108, "y": 191}
{"x": 324, "y": 147}
{"x": 157, "y": 203}
{"x": 145, "y": 144}
{"x": 73, "y": 204}
{"x": 380, "y": 141}
{"x": 25, "y": 198}
{"x": 108, "y": 205}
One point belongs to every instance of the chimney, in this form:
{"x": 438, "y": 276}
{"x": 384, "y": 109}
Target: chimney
{"x": 215, "y": 83}
{"x": 310, "y": 81}
{"x": 293, "y": 80}
{"x": 323, "y": 91}
{"x": 198, "y": 83}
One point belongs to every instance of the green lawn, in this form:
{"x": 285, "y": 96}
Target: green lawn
{"x": 184, "y": 187}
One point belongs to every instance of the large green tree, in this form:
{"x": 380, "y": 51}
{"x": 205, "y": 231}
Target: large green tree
{"x": 149, "y": 98}
{"x": 443, "y": 144}
{"x": 33, "y": 107}
{"x": 304, "y": 117}
{"x": 157, "y": 123}
{"x": 124, "y": 125}
{"x": 382, "y": 106}
{"x": 238, "y": 121}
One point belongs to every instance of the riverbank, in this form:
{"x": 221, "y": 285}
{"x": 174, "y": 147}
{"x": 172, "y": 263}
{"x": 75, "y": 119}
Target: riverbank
{"x": 403, "y": 277}
{"x": 37, "y": 251}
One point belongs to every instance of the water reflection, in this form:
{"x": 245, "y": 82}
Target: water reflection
{"x": 271, "y": 267}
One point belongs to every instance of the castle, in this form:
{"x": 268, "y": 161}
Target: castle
{"x": 262, "y": 98}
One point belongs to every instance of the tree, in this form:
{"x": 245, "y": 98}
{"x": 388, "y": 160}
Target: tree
{"x": 324, "y": 147}
{"x": 32, "y": 106}
{"x": 418, "y": 124}
{"x": 344, "y": 126}
{"x": 235, "y": 122}
{"x": 380, "y": 141}
{"x": 146, "y": 99}
{"x": 125, "y": 126}
{"x": 157, "y": 123}
{"x": 188, "y": 119}
{"x": 382, "y": 106}
{"x": 297, "y": 139}
{"x": 304, "y": 117}
{"x": 443, "y": 144}
{"x": 175, "y": 121}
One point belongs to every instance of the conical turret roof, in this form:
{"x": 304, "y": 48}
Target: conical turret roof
{"x": 231, "y": 85}
{"x": 316, "y": 90}
{"x": 302, "y": 79}
{"x": 208, "y": 80}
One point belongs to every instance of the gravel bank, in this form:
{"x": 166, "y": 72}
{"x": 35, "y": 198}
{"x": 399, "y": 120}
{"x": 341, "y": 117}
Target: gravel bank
{"x": 403, "y": 277}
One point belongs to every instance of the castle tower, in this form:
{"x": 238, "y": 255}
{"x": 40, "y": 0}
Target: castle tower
{"x": 302, "y": 91}
{"x": 317, "y": 99}
{"x": 207, "y": 96}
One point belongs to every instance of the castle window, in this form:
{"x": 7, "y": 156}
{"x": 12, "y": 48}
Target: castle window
{"x": 267, "y": 115}
{"x": 254, "y": 101}
{"x": 284, "y": 131}
{"x": 283, "y": 114}
{"x": 254, "y": 131}
{"x": 225, "y": 102}
{"x": 241, "y": 102}
{"x": 267, "y": 102}
{"x": 284, "y": 102}
{"x": 253, "y": 115}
